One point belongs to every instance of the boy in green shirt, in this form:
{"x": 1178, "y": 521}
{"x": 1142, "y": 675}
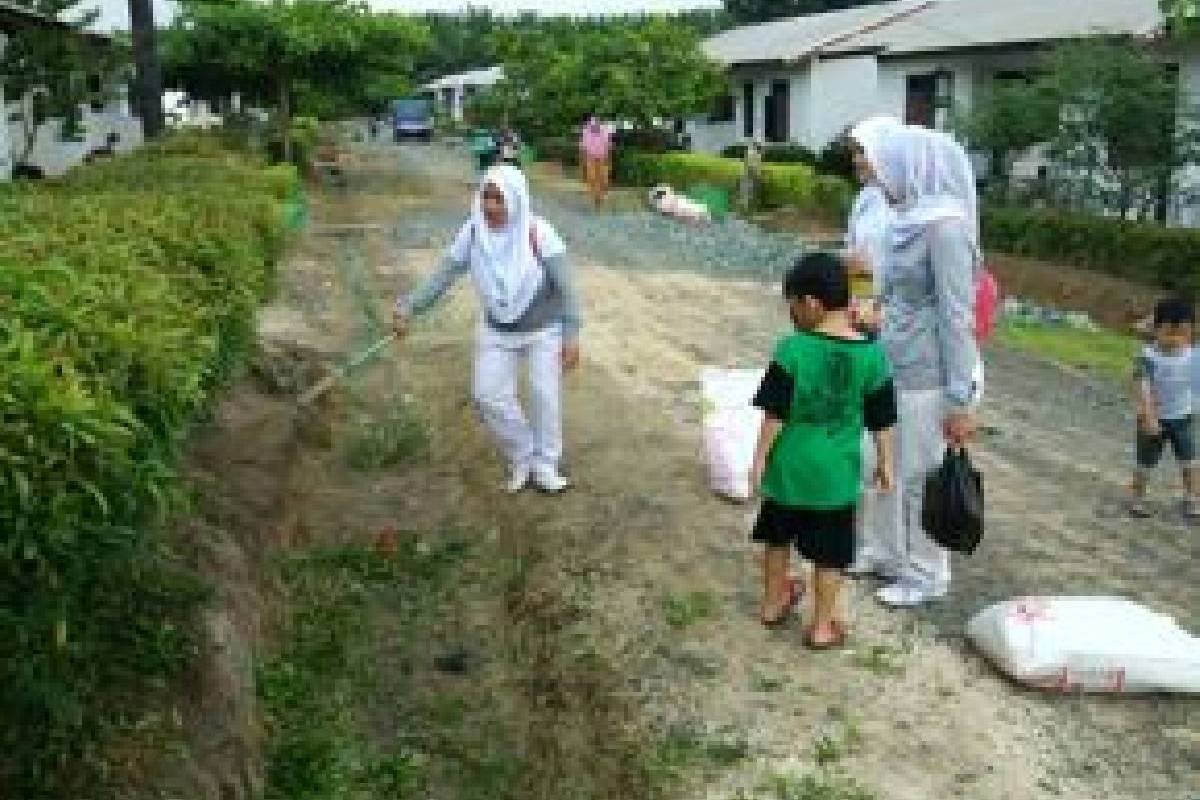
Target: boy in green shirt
{"x": 825, "y": 383}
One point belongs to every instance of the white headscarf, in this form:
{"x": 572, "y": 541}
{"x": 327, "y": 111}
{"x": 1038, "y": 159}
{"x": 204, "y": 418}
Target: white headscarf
{"x": 870, "y": 219}
{"x": 928, "y": 176}
{"x": 507, "y": 272}
{"x": 870, "y": 133}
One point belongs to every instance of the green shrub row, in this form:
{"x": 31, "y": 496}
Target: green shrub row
{"x": 128, "y": 292}
{"x": 1144, "y": 252}
{"x": 784, "y": 185}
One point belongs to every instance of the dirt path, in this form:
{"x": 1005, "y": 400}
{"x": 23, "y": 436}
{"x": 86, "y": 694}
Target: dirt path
{"x": 612, "y": 631}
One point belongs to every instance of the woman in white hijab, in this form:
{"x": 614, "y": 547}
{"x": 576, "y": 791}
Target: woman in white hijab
{"x": 870, "y": 216}
{"x": 931, "y": 265}
{"x": 530, "y": 313}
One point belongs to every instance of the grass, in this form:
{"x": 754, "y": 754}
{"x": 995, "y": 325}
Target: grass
{"x": 881, "y": 659}
{"x": 685, "y": 751}
{"x": 684, "y": 610}
{"x": 820, "y": 785}
{"x": 1103, "y": 352}
{"x": 316, "y": 689}
{"x": 393, "y": 438}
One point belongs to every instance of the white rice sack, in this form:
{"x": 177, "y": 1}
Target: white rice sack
{"x": 730, "y": 429}
{"x": 1090, "y": 644}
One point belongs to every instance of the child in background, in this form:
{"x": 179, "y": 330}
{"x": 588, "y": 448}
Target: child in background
{"x": 825, "y": 383}
{"x": 1163, "y": 396}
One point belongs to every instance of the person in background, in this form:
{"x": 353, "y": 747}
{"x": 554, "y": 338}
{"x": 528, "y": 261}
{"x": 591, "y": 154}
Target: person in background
{"x": 530, "y": 314}
{"x": 1165, "y": 403}
{"x": 751, "y": 175}
{"x": 595, "y": 151}
{"x": 931, "y": 263}
{"x": 510, "y": 147}
{"x": 825, "y": 384}
{"x": 867, "y": 231}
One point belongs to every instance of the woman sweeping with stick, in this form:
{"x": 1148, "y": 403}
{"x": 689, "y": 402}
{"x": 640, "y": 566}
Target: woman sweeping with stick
{"x": 530, "y": 314}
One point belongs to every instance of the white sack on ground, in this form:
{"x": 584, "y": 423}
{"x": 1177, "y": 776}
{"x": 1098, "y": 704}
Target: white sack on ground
{"x": 730, "y": 428}
{"x": 1091, "y": 644}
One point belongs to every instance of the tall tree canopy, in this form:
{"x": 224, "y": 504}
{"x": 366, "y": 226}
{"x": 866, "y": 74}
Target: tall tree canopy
{"x": 635, "y": 69}
{"x": 1110, "y": 113}
{"x": 319, "y": 57}
{"x": 468, "y": 40}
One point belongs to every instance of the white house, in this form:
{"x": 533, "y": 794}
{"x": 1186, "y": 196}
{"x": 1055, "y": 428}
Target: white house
{"x": 453, "y": 93}
{"x": 804, "y": 80}
{"x": 106, "y": 120}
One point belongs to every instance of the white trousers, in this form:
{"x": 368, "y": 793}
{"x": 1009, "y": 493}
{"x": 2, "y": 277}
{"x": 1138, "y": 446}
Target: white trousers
{"x": 891, "y": 540}
{"x": 527, "y": 442}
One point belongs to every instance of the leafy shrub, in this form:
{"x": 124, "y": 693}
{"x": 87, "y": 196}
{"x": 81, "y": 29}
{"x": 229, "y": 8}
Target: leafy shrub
{"x": 789, "y": 154}
{"x": 564, "y": 150}
{"x": 1140, "y": 251}
{"x": 736, "y": 151}
{"x": 129, "y": 291}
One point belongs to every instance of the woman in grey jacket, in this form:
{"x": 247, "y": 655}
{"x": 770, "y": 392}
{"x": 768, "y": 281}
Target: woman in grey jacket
{"x": 933, "y": 260}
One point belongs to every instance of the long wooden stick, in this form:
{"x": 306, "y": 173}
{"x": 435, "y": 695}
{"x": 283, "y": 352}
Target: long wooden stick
{"x": 329, "y": 381}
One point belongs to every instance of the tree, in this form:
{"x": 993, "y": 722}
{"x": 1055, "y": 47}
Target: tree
{"x": 318, "y": 57}
{"x": 1109, "y": 113}
{"x": 1119, "y": 123}
{"x": 638, "y": 70}
{"x": 1009, "y": 117}
{"x": 148, "y": 70}
{"x": 46, "y": 67}
{"x": 749, "y": 12}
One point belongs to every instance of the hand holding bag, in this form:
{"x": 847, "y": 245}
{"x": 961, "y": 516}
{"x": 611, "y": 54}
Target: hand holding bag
{"x": 952, "y": 511}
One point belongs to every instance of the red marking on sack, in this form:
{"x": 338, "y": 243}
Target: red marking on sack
{"x": 1029, "y": 613}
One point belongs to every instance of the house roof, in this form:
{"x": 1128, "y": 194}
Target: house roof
{"x": 956, "y": 24}
{"x": 797, "y": 38}
{"x": 905, "y": 27}
{"x": 478, "y": 77}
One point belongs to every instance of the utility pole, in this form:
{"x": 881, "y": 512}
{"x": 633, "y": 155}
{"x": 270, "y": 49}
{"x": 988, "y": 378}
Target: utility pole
{"x": 148, "y": 94}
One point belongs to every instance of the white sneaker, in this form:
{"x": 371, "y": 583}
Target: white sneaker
{"x": 518, "y": 479}
{"x": 907, "y": 595}
{"x": 548, "y": 480}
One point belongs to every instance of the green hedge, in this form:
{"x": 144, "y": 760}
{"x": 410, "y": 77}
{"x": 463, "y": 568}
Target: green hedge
{"x": 791, "y": 185}
{"x": 1144, "y": 252}
{"x": 128, "y": 291}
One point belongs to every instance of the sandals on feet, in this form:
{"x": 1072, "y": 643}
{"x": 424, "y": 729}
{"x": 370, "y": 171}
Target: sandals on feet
{"x": 795, "y": 590}
{"x": 838, "y": 641}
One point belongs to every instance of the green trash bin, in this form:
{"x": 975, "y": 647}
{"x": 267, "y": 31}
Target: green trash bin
{"x": 714, "y": 198}
{"x": 483, "y": 149}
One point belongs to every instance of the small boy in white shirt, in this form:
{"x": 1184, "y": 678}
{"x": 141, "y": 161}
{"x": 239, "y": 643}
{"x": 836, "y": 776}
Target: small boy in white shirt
{"x": 1163, "y": 395}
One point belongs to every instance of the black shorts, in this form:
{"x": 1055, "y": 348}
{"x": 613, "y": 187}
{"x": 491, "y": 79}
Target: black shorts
{"x": 1176, "y": 432}
{"x": 823, "y": 536}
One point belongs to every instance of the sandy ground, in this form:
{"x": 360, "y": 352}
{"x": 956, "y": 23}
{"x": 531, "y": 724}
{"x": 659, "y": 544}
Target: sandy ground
{"x": 579, "y": 662}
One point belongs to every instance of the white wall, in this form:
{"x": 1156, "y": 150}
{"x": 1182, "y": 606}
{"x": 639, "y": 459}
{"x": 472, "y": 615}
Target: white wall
{"x": 711, "y": 137}
{"x": 5, "y": 143}
{"x": 54, "y": 156}
{"x": 5, "y": 139}
{"x": 844, "y": 91}
{"x": 1185, "y": 206}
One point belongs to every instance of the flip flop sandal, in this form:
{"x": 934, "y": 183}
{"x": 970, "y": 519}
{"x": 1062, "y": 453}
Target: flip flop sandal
{"x": 836, "y": 643}
{"x": 795, "y": 592}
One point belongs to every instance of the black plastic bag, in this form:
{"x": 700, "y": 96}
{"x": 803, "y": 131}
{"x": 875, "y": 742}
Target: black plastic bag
{"x": 952, "y": 511}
